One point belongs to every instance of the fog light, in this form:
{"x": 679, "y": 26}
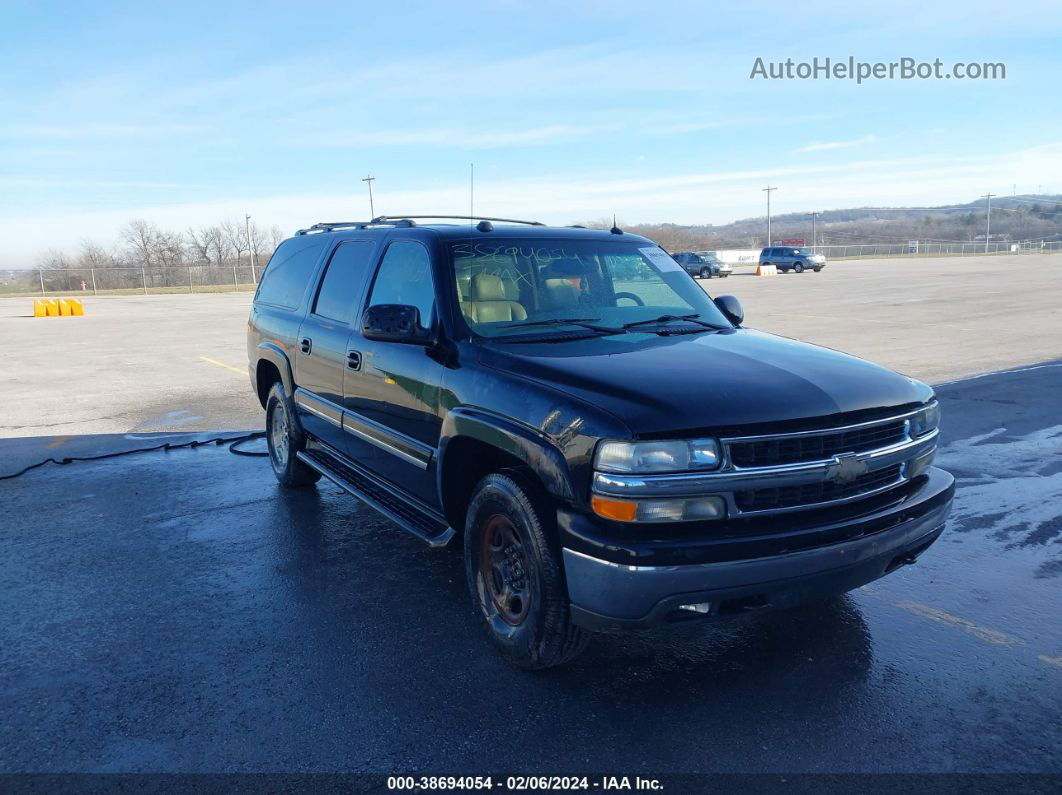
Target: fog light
{"x": 701, "y": 607}
{"x": 692, "y": 509}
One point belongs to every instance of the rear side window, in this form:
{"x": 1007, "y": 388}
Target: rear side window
{"x": 405, "y": 278}
{"x": 290, "y": 268}
{"x": 342, "y": 283}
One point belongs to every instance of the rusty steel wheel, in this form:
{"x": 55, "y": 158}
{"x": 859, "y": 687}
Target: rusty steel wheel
{"x": 514, "y": 572}
{"x": 503, "y": 570}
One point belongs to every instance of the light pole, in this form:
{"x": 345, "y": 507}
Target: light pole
{"x": 252, "y": 255}
{"x": 988, "y": 219}
{"x": 768, "y": 190}
{"x": 368, "y": 181}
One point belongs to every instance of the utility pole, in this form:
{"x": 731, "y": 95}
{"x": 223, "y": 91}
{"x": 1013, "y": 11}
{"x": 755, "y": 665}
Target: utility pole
{"x": 814, "y": 229}
{"x": 369, "y": 180}
{"x": 252, "y": 255}
{"x": 768, "y": 190}
{"x": 988, "y": 219}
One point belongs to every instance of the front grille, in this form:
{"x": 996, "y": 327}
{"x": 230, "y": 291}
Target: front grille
{"x": 798, "y": 449}
{"x": 811, "y": 493}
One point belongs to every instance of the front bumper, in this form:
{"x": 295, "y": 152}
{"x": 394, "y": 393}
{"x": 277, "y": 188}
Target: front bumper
{"x": 610, "y": 594}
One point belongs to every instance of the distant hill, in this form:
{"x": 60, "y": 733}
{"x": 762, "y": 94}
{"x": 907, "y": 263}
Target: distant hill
{"x": 1013, "y": 218}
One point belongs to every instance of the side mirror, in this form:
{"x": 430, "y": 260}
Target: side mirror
{"x": 394, "y": 323}
{"x": 731, "y": 307}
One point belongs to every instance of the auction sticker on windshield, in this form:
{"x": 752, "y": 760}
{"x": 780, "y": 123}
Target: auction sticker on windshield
{"x": 660, "y": 259}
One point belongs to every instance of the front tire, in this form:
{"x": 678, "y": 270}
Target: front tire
{"x": 706, "y": 273}
{"x": 514, "y": 574}
{"x": 799, "y": 267}
{"x": 285, "y": 439}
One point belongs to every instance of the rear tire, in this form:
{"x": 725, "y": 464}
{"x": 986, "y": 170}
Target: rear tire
{"x": 285, "y": 439}
{"x": 515, "y": 577}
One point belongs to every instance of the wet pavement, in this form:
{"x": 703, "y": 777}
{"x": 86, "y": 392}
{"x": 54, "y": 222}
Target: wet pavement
{"x": 178, "y": 612}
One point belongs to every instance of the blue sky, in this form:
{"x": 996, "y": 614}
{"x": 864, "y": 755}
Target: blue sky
{"x": 187, "y": 113}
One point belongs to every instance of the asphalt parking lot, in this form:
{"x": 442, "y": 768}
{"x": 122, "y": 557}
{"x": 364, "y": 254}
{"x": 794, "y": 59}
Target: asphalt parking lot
{"x": 178, "y": 612}
{"x": 139, "y": 364}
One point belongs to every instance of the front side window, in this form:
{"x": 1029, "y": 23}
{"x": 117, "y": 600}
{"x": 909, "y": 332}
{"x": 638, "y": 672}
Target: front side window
{"x": 405, "y": 278}
{"x": 343, "y": 281}
{"x": 506, "y": 284}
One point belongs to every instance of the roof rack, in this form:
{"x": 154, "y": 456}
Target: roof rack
{"x": 328, "y": 226}
{"x": 406, "y": 221}
{"x": 469, "y": 218}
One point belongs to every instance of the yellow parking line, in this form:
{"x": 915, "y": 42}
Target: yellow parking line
{"x": 236, "y": 370}
{"x": 1051, "y": 660}
{"x": 991, "y": 635}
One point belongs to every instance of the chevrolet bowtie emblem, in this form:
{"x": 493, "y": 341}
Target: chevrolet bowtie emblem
{"x": 846, "y": 468}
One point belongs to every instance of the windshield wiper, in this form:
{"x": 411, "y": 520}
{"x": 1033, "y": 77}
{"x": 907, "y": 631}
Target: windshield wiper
{"x": 667, "y": 318}
{"x": 585, "y": 322}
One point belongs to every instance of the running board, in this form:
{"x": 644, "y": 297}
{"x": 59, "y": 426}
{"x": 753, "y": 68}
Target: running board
{"x": 429, "y": 529}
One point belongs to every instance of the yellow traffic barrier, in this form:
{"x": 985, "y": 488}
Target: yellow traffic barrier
{"x": 63, "y": 307}
{"x": 766, "y": 270}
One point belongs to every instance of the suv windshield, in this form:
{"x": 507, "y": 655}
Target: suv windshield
{"x": 504, "y": 285}
{"x": 803, "y": 252}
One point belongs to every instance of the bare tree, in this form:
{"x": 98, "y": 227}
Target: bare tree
{"x": 54, "y": 260}
{"x": 259, "y": 242}
{"x": 93, "y": 255}
{"x": 141, "y": 237}
{"x": 168, "y": 249}
{"x": 277, "y": 236}
{"x": 235, "y": 237}
{"x": 199, "y": 244}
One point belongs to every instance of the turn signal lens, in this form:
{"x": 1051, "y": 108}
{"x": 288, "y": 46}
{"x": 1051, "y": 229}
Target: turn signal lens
{"x": 692, "y": 509}
{"x": 620, "y": 510}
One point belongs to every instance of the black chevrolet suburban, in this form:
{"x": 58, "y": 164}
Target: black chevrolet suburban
{"x": 611, "y": 447}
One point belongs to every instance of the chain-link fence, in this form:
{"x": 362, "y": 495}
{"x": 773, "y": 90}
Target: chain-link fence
{"x": 244, "y": 278}
{"x": 130, "y": 281}
{"x": 929, "y": 248}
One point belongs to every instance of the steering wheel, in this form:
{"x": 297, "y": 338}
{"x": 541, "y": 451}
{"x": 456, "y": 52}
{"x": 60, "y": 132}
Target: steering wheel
{"x": 631, "y": 296}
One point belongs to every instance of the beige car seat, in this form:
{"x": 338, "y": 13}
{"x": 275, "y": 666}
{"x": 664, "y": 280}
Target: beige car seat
{"x": 490, "y": 302}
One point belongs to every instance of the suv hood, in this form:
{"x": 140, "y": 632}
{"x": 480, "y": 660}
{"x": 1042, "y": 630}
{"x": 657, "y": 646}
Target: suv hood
{"x": 729, "y": 378}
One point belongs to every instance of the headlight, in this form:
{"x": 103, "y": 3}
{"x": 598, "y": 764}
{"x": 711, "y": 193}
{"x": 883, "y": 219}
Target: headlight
{"x": 645, "y": 458}
{"x": 926, "y": 420}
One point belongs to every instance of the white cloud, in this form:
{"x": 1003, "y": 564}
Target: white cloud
{"x": 823, "y": 146}
{"x": 478, "y": 139}
{"x": 81, "y": 130}
{"x": 700, "y": 197}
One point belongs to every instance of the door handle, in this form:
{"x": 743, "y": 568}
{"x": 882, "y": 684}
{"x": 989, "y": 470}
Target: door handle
{"x": 354, "y": 360}
{"x": 305, "y": 344}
